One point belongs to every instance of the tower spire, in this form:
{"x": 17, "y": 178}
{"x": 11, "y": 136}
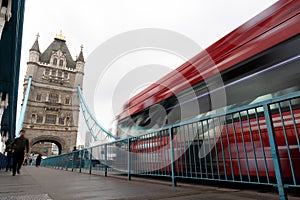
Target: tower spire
{"x": 35, "y": 46}
{"x": 80, "y": 57}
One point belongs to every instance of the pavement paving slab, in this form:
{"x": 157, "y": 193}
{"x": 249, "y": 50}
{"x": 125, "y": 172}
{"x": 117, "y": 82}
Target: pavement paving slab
{"x": 40, "y": 183}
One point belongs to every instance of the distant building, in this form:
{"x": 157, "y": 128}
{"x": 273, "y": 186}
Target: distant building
{"x": 88, "y": 139}
{"x": 53, "y": 105}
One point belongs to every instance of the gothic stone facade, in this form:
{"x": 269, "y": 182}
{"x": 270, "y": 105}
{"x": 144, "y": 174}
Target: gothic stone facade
{"x": 53, "y": 106}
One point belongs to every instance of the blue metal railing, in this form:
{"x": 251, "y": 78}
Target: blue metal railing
{"x": 24, "y": 106}
{"x": 255, "y": 144}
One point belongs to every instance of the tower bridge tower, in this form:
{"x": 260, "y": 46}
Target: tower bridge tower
{"x": 53, "y": 106}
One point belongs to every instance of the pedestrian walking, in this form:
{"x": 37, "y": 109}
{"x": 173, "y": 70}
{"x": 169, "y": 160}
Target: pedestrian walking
{"x": 19, "y": 145}
{"x": 9, "y": 156}
{"x": 30, "y": 161}
{"x": 38, "y": 160}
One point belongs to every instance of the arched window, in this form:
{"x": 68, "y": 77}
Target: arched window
{"x": 38, "y": 97}
{"x": 55, "y": 61}
{"x": 61, "y": 63}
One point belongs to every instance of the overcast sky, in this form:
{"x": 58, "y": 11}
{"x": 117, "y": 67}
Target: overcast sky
{"x": 92, "y": 22}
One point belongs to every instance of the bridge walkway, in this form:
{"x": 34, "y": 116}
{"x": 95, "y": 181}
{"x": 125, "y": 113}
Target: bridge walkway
{"x": 46, "y": 184}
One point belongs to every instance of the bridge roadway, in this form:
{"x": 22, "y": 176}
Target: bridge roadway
{"x": 46, "y": 184}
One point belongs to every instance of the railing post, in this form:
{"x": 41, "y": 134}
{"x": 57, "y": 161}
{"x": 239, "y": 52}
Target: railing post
{"x": 62, "y": 162}
{"x": 275, "y": 155}
{"x": 80, "y": 160}
{"x": 128, "y": 161}
{"x": 66, "y": 161}
{"x": 91, "y": 160}
{"x": 172, "y": 156}
{"x": 105, "y": 160}
{"x": 72, "y": 161}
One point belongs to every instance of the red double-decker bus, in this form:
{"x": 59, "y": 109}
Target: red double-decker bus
{"x": 259, "y": 60}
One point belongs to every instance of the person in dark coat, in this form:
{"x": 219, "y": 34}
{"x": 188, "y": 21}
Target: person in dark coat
{"x": 19, "y": 145}
{"x": 9, "y": 156}
{"x": 38, "y": 160}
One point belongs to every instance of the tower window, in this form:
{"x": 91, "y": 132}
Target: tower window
{"x": 61, "y": 121}
{"x": 38, "y": 97}
{"x": 39, "y": 119}
{"x": 33, "y": 118}
{"x": 55, "y": 61}
{"x": 61, "y": 63}
{"x": 59, "y": 73}
{"x": 53, "y": 98}
{"x": 47, "y": 71}
{"x": 66, "y": 75}
{"x": 67, "y": 101}
{"x": 50, "y": 119}
{"x": 68, "y": 121}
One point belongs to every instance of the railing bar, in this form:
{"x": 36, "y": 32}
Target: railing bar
{"x": 253, "y": 146}
{"x": 150, "y": 155}
{"x": 203, "y": 145}
{"x": 229, "y": 148}
{"x": 182, "y": 145}
{"x": 185, "y": 152}
{"x": 129, "y": 159}
{"x": 245, "y": 147}
{"x": 286, "y": 142}
{"x": 166, "y": 150}
{"x": 190, "y": 131}
{"x": 199, "y": 148}
{"x": 169, "y": 167}
{"x": 237, "y": 148}
{"x": 215, "y": 147}
{"x": 275, "y": 154}
{"x": 209, "y": 147}
{"x": 145, "y": 156}
{"x": 184, "y": 162}
{"x": 294, "y": 123}
{"x": 262, "y": 145}
{"x": 171, "y": 136}
{"x": 159, "y": 155}
{"x": 162, "y": 152}
{"x": 156, "y": 161}
{"x": 194, "y": 150}
{"x": 176, "y": 139}
{"x": 222, "y": 148}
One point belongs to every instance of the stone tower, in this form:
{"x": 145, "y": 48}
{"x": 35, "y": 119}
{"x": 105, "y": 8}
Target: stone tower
{"x": 53, "y": 106}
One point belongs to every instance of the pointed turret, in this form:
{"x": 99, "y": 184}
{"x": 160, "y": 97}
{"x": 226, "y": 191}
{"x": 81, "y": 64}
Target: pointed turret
{"x": 80, "y": 57}
{"x": 35, "y": 46}
{"x": 79, "y": 68}
{"x": 34, "y": 52}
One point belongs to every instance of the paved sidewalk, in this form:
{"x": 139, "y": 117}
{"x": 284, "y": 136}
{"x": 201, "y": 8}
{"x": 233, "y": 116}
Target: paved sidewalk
{"x": 46, "y": 184}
